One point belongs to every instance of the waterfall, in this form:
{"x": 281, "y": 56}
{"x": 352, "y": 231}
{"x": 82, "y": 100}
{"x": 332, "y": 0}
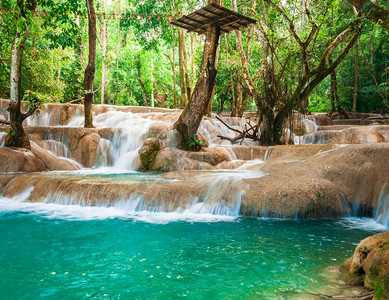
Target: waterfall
{"x": 57, "y": 148}
{"x": 130, "y": 132}
{"x": 381, "y": 212}
{"x": 2, "y": 138}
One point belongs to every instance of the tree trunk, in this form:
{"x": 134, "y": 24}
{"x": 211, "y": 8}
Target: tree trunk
{"x": 210, "y": 104}
{"x": 191, "y": 59}
{"x": 103, "y": 38}
{"x": 17, "y": 137}
{"x": 190, "y": 119}
{"x": 355, "y": 98}
{"x": 268, "y": 131}
{"x": 90, "y": 69}
{"x": 181, "y": 65}
{"x": 31, "y": 87}
{"x": 243, "y": 106}
{"x": 333, "y": 92}
{"x": 187, "y": 80}
{"x": 142, "y": 86}
{"x": 173, "y": 63}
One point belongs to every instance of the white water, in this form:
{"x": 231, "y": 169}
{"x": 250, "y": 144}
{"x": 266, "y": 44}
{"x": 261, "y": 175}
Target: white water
{"x": 2, "y": 138}
{"x": 381, "y": 212}
{"x": 57, "y": 148}
{"x": 130, "y": 209}
{"x": 310, "y": 126}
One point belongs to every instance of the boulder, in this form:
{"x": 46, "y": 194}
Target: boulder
{"x": 19, "y": 160}
{"x": 52, "y": 162}
{"x": 148, "y": 153}
{"x": 323, "y": 120}
{"x": 159, "y": 130}
{"x": 369, "y": 265}
{"x": 85, "y": 151}
{"x": 212, "y": 156}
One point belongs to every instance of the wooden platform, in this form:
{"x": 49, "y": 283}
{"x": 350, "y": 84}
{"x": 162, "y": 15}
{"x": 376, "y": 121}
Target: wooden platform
{"x": 228, "y": 20}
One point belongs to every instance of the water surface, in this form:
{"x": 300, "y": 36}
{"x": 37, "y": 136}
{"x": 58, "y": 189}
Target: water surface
{"x": 50, "y": 251}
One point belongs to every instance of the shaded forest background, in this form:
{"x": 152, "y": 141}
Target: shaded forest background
{"x": 140, "y": 56}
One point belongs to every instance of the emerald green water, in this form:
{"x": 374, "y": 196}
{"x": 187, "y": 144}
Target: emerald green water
{"x": 46, "y": 254}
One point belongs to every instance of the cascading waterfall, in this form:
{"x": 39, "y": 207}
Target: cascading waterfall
{"x": 381, "y": 212}
{"x": 310, "y": 126}
{"x": 57, "y": 148}
{"x": 130, "y": 130}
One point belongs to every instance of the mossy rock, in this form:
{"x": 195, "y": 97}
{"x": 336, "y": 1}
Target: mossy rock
{"x": 149, "y": 152}
{"x": 369, "y": 266}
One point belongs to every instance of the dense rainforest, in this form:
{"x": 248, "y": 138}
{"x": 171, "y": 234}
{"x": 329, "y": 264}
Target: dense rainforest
{"x": 303, "y": 55}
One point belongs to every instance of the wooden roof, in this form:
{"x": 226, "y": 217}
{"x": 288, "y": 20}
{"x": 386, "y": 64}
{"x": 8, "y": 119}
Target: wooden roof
{"x": 228, "y": 20}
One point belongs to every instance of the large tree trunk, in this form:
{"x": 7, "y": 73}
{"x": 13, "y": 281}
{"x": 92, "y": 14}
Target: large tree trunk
{"x": 181, "y": 46}
{"x": 190, "y": 119}
{"x": 17, "y": 137}
{"x": 210, "y": 104}
{"x": 90, "y": 69}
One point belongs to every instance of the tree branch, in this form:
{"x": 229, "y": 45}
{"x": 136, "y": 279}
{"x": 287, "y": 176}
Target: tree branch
{"x": 82, "y": 98}
{"x": 5, "y": 122}
{"x": 372, "y": 11}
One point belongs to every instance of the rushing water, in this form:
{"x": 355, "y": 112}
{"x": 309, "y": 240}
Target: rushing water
{"x": 72, "y": 252}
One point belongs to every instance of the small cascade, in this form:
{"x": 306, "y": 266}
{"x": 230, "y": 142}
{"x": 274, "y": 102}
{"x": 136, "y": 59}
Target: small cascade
{"x": 41, "y": 119}
{"x": 314, "y": 138}
{"x": 2, "y": 138}
{"x": 104, "y": 153}
{"x": 77, "y": 119}
{"x": 57, "y": 148}
{"x": 4, "y": 114}
{"x": 214, "y": 193}
{"x": 130, "y": 132}
{"x": 381, "y": 212}
{"x": 211, "y": 128}
{"x": 310, "y": 125}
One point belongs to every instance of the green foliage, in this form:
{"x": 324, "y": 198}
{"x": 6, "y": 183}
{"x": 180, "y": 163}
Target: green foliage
{"x": 53, "y": 66}
{"x": 194, "y": 144}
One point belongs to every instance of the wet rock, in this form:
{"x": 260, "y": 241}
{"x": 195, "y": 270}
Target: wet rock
{"x": 351, "y": 135}
{"x": 369, "y": 265}
{"x": 212, "y": 156}
{"x": 148, "y": 153}
{"x": 159, "y": 131}
{"x": 323, "y": 120}
{"x": 52, "y": 162}
{"x": 19, "y": 160}
{"x": 85, "y": 151}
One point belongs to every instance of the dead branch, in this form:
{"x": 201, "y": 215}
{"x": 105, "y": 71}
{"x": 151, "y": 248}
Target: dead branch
{"x": 82, "y": 98}
{"x": 2, "y": 93}
{"x": 228, "y": 126}
{"x": 242, "y": 134}
{"x": 5, "y": 122}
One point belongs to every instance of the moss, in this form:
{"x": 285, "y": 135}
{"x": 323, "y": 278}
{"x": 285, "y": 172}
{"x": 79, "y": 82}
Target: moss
{"x": 375, "y": 271}
{"x": 378, "y": 291}
{"x": 147, "y": 158}
{"x": 384, "y": 246}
